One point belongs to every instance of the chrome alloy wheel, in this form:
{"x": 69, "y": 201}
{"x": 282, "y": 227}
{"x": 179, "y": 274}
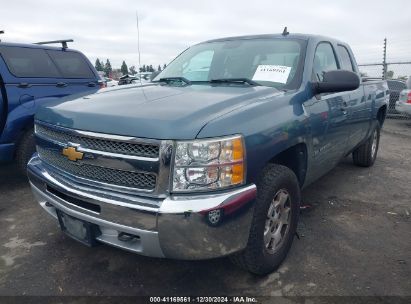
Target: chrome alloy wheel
{"x": 278, "y": 221}
{"x": 374, "y": 143}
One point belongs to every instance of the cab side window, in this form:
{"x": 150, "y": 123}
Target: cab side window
{"x": 28, "y": 62}
{"x": 71, "y": 64}
{"x": 324, "y": 60}
{"x": 345, "y": 58}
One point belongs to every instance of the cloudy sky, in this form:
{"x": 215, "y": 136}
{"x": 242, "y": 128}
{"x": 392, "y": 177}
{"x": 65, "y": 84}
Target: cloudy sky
{"x": 107, "y": 29}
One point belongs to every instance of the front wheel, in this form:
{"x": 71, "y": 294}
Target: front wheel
{"x": 366, "y": 154}
{"x": 274, "y": 222}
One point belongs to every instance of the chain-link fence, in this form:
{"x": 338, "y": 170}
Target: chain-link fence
{"x": 396, "y": 74}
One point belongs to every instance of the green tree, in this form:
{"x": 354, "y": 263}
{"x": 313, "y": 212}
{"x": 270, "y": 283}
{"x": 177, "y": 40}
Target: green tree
{"x": 151, "y": 68}
{"x": 159, "y": 68}
{"x": 390, "y": 74}
{"x": 107, "y": 68}
{"x": 124, "y": 68}
{"x": 133, "y": 70}
{"x": 164, "y": 66}
{"x": 98, "y": 65}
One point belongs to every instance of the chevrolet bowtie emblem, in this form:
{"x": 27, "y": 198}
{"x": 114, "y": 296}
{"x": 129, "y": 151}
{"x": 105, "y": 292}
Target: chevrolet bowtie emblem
{"x": 72, "y": 153}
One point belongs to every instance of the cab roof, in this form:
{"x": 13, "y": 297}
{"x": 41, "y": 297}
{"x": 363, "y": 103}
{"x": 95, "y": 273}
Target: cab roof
{"x": 278, "y": 36}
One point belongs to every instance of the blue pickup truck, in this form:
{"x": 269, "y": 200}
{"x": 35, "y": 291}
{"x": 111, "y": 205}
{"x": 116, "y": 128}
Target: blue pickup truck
{"x": 210, "y": 158}
{"x": 29, "y": 75}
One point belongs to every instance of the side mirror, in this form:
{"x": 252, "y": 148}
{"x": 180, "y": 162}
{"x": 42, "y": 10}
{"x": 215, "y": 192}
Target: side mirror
{"x": 337, "y": 81}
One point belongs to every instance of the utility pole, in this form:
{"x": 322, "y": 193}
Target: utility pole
{"x": 384, "y": 60}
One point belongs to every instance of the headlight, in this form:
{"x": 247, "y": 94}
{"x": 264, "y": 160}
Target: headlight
{"x": 208, "y": 164}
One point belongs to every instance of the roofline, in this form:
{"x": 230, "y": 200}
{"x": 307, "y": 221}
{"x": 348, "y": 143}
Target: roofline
{"x": 298, "y": 36}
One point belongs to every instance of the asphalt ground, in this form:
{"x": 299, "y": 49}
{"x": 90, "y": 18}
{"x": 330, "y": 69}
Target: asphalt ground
{"x": 355, "y": 240}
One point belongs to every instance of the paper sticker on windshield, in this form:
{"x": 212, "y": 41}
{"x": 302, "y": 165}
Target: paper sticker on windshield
{"x": 274, "y": 73}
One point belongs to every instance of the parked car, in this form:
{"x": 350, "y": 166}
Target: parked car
{"x": 198, "y": 169}
{"x": 395, "y": 86}
{"x": 28, "y": 74}
{"x": 145, "y": 76}
{"x": 111, "y": 82}
{"x": 403, "y": 104}
{"x": 127, "y": 79}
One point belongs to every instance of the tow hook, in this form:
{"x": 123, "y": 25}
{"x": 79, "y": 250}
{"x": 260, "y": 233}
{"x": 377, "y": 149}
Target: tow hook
{"x": 126, "y": 237}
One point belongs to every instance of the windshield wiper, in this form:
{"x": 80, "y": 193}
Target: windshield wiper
{"x": 235, "y": 80}
{"x": 174, "y": 79}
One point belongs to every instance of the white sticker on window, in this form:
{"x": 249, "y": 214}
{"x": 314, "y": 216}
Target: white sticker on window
{"x": 274, "y": 73}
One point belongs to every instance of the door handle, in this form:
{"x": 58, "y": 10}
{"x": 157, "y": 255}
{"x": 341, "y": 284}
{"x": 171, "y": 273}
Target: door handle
{"x": 61, "y": 84}
{"x": 24, "y": 85}
{"x": 344, "y": 107}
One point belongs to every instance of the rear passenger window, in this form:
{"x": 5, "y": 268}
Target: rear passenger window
{"x": 71, "y": 64}
{"x": 28, "y": 62}
{"x": 324, "y": 60}
{"x": 345, "y": 58}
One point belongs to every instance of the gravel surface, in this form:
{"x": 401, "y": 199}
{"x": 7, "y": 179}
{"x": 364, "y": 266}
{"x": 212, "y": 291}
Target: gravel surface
{"x": 355, "y": 239}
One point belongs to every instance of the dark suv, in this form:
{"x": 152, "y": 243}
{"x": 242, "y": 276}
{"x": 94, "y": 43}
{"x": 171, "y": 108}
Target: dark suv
{"x": 31, "y": 74}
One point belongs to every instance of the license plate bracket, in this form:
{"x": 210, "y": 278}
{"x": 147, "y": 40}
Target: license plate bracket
{"x": 77, "y": 229}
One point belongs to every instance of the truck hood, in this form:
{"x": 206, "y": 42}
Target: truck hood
{"x": 151, "y": 111}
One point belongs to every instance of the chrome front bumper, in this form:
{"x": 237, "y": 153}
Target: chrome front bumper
{"x": 178, "y": 226}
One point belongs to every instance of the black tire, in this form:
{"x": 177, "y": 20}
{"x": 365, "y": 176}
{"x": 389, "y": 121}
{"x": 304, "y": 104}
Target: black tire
{"x": 365, "y": 155}
{"x": 256, "y": 258}
{"x": 25, "y": 150}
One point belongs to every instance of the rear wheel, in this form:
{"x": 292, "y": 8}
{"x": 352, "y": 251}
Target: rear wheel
{"x": 365, "y": 155}
{"x": 274, "y": 222}
{"x": 25, "y": 150}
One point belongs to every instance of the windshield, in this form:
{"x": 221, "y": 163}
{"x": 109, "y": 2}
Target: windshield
{"x": 275, "y": 62}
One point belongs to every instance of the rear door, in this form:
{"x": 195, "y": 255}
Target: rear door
{"x": 358, "y": 109}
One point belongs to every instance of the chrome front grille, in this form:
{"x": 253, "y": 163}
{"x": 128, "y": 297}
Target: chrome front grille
{"x": 99, "y": 144}
{"x": 95, "y": 173}
{"x": 133, "y": 165}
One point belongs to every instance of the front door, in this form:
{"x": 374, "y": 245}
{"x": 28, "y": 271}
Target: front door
{"x": 328, "y": 116}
